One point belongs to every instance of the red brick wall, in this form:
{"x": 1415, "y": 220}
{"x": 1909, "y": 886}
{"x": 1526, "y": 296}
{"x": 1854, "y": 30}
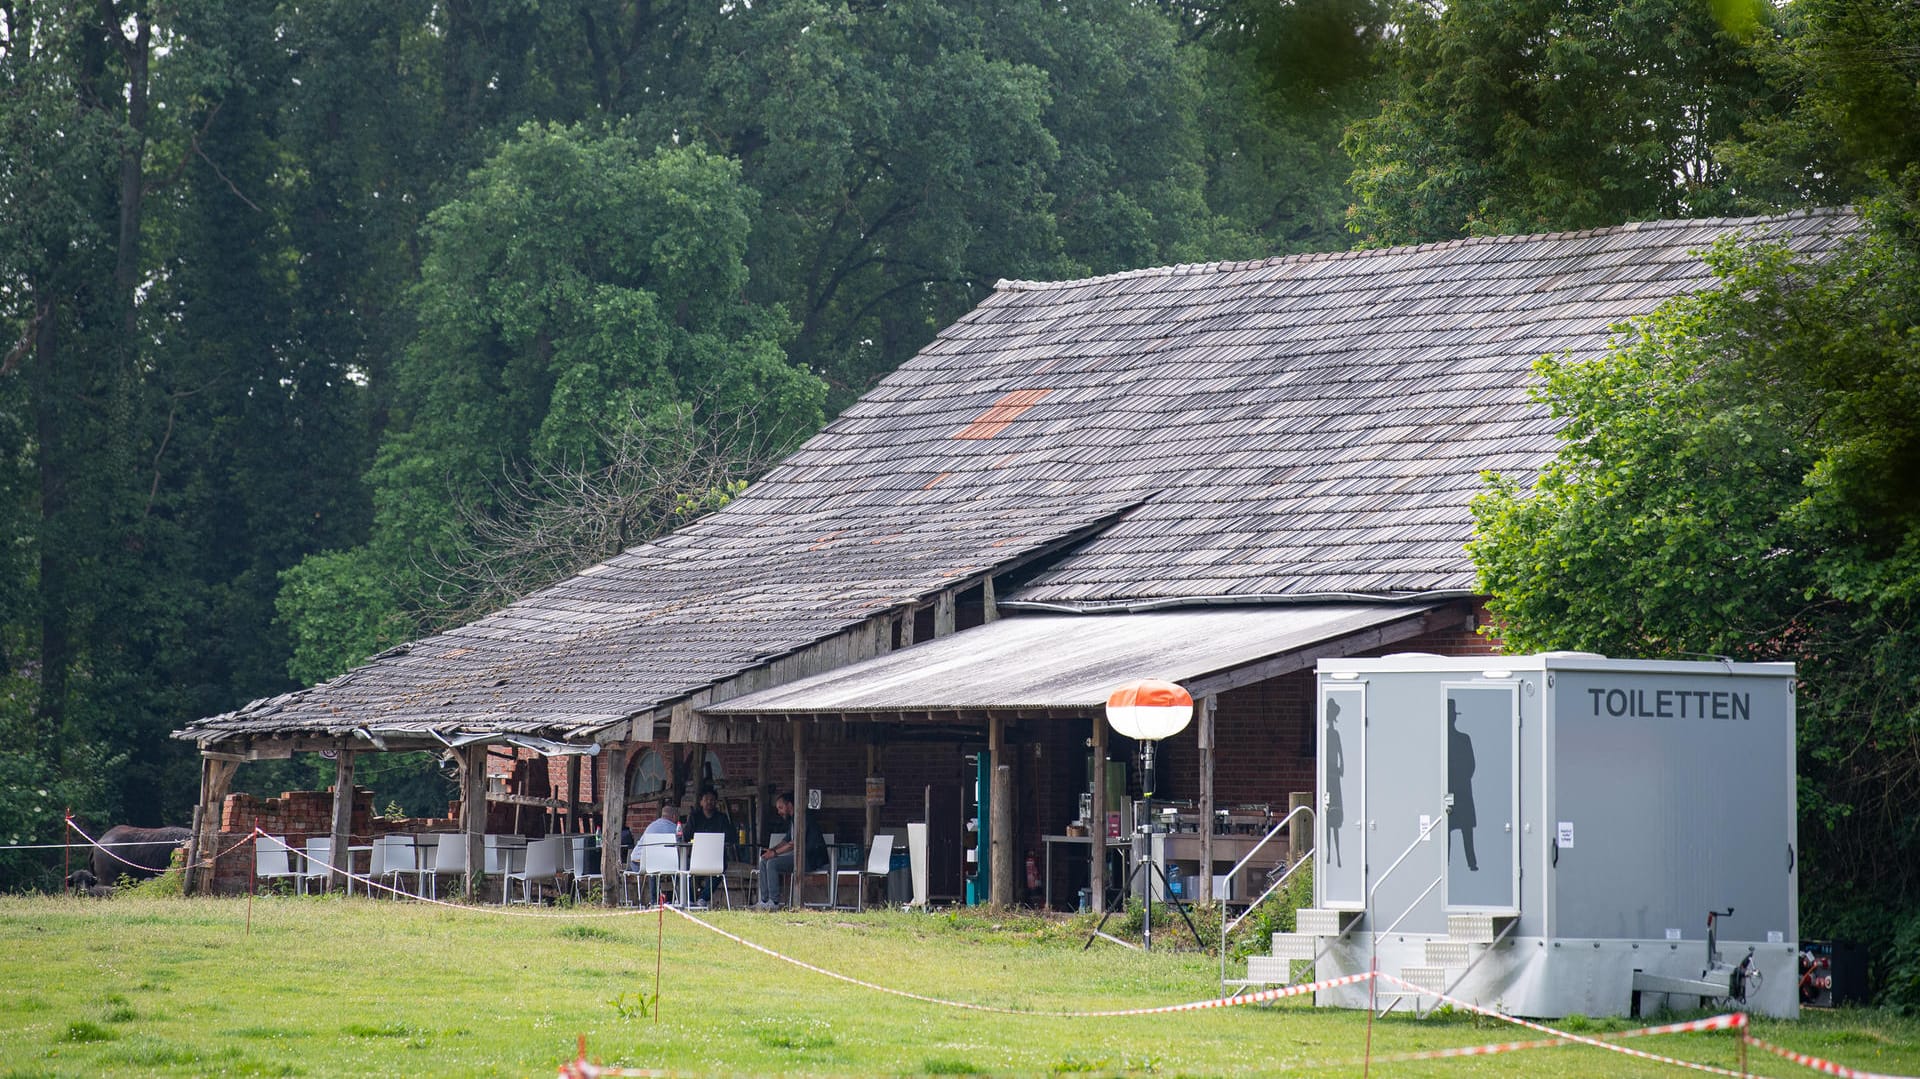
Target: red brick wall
{"x": 297, "y": 816}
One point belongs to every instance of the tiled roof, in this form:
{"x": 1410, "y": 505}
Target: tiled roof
{"x": 1298, "y": 428}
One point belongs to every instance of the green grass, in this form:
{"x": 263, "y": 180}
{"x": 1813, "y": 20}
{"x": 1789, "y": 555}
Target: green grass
{"x": 322, "y": 987}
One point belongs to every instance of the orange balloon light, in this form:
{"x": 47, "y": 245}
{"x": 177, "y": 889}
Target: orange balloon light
{"x": 1149, "y": 709}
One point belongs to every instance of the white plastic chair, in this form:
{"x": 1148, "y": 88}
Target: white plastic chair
{"x": 578, "y": 849}
{"x": 660, "y": 861}
{"x": 708, "y": 859}
{"x": 449, "y": 859}
{"x": 270, "y": 859}
{"x": 545, "y": 859}
{"x": 879, "y": 864}
{"x": 393, "y": 857}
{"x": 317, "y": 866}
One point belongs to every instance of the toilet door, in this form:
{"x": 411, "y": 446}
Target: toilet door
{"x": 1482, "y": 780}
{"x": 1340, "y": 810}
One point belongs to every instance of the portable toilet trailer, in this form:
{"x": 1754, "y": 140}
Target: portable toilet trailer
{"x": 1555, "y": 834}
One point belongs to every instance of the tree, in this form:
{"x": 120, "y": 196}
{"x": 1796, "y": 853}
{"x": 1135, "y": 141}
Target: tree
{"x": 1539, "y": 115}
{"x": 1736, "y": 480}
{"x": 658, "y": 472}
{"x": 1852, "y": 131}
{"x": 579, "y": 280}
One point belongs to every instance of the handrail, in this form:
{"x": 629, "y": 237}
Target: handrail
{"x": 1248, "y": 857}
{"x": 1305, "y": 859}
{"x": 1416, "y": 902}
{"x": 1373, "y": 935}
{"x": 1432, "y": 823}
{"x": 1227, "y": 926}
{"x": 1491, "y": 945}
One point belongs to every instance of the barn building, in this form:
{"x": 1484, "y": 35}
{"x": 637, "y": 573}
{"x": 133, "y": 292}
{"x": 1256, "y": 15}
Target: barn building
{"x": 1213, "y": 474}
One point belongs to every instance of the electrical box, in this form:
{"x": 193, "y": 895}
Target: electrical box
{"x": 1547, "y": 835}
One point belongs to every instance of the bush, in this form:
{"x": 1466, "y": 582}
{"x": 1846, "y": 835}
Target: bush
{"x": 1901, "y": 988}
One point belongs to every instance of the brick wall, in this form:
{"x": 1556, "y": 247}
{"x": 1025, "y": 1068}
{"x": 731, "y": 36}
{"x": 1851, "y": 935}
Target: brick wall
{"x": 297, "y": 816}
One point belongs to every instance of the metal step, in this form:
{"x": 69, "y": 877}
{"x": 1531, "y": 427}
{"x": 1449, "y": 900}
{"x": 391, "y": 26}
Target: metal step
{"x": 1267, "y": 970}
{"x": 1318, "y": 922}
{"x": 1295, "y": 946}
{"x": 1449, "y": 953}
{"x": 1431, "y": 979}
{"x": 1476, "y": 928}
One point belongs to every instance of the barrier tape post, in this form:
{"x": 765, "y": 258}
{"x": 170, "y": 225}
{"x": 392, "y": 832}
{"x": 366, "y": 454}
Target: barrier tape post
{"x": 1743, "y": 1051}
{"x": 66, "y": 856}
{"x": 659, "y": 945}
{"x": 253, "y": 874}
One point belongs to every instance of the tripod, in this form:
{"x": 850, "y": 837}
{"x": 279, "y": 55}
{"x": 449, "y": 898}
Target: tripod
{"x": 1146, "y": 862}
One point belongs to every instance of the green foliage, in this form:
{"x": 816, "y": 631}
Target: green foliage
{"x": 1901, "y": 988}
{"x": 339, "y": 608}
{"x": 1535, "y": 115}
{"x": 38, "y": 785}
{"x": 612, "y": 295}
{"x": 1736, "y": 480}
{"x": 1853, "y": 127}
{"x": 634, "y": 1005}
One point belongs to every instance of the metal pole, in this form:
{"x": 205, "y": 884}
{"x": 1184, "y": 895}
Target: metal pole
{"x": 1146, "y": 809}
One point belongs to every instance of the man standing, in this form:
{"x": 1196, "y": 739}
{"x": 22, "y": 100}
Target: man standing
{"x": 777, "y": 862}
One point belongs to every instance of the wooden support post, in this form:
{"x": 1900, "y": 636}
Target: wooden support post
{"x": 1000, "y": 890}
{"x": 943, "y": 614}
{"x": 613, "y": 817}
{"x": 762, "y": 786}
{"x": 573, "y": 794}
{"x": 699, "y": 771}
{"x": 216, "y": 776}
{"x": 473, "y": 816}
{"x": 799, "y": 835}
{"x": 989, "y": 607}
{"x": 873, "y": 770}
{"x": 1204, "y": 886}
{"x": 342, "y": 819}
{"x": 1097, "y": 827}
{"x": 906, "y": 629}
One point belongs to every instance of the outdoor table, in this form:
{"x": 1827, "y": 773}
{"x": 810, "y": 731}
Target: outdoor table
{"x": 1123, "y": 844}
{"x": 353, "y": 849}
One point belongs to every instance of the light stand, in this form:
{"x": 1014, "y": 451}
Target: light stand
{"x": 1147, "y": 711}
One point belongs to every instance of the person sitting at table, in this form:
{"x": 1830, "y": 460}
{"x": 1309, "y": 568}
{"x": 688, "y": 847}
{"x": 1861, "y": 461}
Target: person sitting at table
{"x": 707, "y": 816}
{"x": 664, "y": 829}
{"x": 777, "y": 862}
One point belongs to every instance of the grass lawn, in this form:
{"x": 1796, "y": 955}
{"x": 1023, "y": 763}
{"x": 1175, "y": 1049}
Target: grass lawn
{"x": 137, "y": 986}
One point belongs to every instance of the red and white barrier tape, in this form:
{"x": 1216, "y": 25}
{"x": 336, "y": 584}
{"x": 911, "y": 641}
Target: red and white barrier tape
{"x": 1191, "y": 1006}
{"x": 103, "y": 848}
{"x": 1718, "y": 1022}
{"x": 1827, "y": 1067}
{"x": 1735, "y": 1020}
{"x": 470, "y": 908}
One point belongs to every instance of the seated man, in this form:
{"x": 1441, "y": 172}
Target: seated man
{"x": 707, "y": 816}
{"x": 777, "y": 863}
{"x": 664, "y": 829}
